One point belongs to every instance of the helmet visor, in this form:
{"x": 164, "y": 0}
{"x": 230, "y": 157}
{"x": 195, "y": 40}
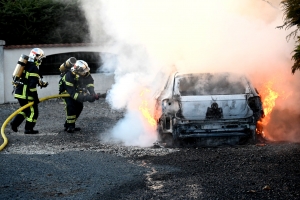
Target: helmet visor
{"x": 81, "y": 68}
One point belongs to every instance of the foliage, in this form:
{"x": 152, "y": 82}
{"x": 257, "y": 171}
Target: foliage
{"x": 291, "y": 10}
{"x": 296, "y": 58}
{"x": 42, "y": 22}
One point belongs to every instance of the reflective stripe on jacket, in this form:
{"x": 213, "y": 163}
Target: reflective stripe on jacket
{"x": 88, "y": 83}
{"x": 30, "y": 79}
{"x": 68, "y": 84}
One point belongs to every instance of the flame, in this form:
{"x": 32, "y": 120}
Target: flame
{"x": 269, "y": 97}
{"x": 145, "y": 109}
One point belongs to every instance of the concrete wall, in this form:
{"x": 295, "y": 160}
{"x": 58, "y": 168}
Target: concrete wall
{"x": 10, "y": 56}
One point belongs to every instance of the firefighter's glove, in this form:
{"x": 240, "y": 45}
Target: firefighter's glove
{"x": 97, "y": 96}
{"x": 90, "y": 98}
{"x": 43, "y": 84}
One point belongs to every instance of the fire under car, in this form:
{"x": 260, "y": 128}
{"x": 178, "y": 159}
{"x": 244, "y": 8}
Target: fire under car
{"x": 209, "y": 108}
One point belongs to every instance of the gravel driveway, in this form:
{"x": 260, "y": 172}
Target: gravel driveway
{"x": 57, "y": 165}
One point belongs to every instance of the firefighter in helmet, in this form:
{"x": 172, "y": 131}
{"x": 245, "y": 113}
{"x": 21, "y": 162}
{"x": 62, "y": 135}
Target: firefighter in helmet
{"x": 79, "y": 84}
{"x": 25, "y": 90}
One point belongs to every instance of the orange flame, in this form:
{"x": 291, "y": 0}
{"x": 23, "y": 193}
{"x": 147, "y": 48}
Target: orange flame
{"x": 268, "y": 100}
{"x": 145, "y": 109}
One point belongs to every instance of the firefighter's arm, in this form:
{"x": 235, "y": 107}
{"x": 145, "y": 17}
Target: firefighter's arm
{"x": 71, "y": 90}
{"x": 33, "y": 79}
{"x": 42, "y": 83}
{"x": 88, "y": 82}
{"x": 91, "y": 88}
{"x": 70, "y": 87}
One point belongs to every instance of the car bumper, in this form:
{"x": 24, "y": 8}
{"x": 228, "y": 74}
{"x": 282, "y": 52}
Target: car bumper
{"x": 210, "y": 128}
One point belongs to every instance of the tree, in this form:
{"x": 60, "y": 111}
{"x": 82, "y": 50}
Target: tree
{"x": 291, "y": 10}
{"x": 42, "y": 22}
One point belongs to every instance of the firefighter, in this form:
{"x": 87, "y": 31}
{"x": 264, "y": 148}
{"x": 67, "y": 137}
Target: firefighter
{"x": 79, "y": 84}
{"x": 25, "y": 90}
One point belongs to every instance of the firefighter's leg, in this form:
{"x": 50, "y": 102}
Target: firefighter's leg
{"x": 66, "y": 122}
{"x": 71, "y": 114}
{"x": 79, "y": 107}
{"x": 31, "y": 119}
{"x": 19, "y": 118}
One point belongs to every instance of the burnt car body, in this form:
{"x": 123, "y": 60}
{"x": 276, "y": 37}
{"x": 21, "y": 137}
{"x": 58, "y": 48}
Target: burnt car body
{"x": 209, "y": 106}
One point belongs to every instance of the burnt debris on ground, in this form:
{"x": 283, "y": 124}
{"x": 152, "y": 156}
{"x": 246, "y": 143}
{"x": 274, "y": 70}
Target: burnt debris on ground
{"x": 57, "y": 165}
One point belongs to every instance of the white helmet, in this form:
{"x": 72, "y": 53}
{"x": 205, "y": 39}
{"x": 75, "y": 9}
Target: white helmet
{"x": 36, "y": 54}
{"x": 81, "y": 68}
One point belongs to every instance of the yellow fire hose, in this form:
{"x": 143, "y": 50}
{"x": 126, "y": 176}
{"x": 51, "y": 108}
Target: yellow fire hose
{"x": 19, "y": 110}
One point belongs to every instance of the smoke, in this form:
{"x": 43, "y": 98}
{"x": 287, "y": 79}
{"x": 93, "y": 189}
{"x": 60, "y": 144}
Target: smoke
{"x": 154, "y": 37}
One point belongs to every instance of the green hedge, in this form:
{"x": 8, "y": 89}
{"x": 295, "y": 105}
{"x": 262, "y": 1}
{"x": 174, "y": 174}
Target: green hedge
{"x": 42, "y": 22}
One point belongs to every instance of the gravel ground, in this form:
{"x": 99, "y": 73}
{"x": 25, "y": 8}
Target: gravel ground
{"x": 58, "y": 165}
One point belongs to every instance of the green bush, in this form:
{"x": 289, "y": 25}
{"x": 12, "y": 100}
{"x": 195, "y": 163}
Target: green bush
{"x": 42, "y": 22}
{"x": 291, "y": 10}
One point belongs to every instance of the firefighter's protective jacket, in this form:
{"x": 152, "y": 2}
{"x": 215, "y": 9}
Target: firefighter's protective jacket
{"x": 86, "y": 83}
{"x": 29, "y": 79}
{"x": 68, "y": 84}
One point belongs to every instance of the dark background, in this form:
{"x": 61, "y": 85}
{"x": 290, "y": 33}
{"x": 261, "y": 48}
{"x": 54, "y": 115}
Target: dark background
{"x": 51, "y": 64}
{"x": 42, "y": 22}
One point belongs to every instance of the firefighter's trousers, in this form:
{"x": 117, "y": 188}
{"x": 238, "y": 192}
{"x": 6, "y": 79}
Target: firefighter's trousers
{"x": 30, "y": 114}
{"x": 73, "y": 110}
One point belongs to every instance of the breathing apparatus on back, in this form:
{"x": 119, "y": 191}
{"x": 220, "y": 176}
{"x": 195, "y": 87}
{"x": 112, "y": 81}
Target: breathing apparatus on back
{"x": 36, "y": 55}
{"x": 67, "y": 65}
{"x": 19, "y": 70}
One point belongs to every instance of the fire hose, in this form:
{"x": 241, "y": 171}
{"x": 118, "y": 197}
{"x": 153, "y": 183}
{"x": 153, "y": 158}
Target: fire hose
{"x": 19, "y": 110}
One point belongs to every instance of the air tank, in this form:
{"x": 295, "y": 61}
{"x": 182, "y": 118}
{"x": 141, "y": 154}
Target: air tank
{"x": 67, "y": 64}
{"x": 19, "y": 68}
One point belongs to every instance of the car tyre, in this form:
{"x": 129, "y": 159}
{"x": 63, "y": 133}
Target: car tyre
{"x": 253, "y": 137}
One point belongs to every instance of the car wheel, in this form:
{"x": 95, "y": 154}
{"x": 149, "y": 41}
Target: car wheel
{"x": 160, "y": 133}
{"x": 253, "y": 137}
{"x": 164, "y": 137}
{"x": 168, "y": 140}
{"x": 176, "y": 139}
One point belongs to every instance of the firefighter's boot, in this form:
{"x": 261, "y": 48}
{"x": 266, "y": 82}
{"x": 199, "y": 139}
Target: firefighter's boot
{"x": 15, "y": 123}
{"x": 71, "y": 129}
{"x": 75, "y": 129}
{"x": 13, "y": 127}
{"x": 29, "y": 128}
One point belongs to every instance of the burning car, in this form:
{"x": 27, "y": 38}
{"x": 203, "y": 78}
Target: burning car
{"x": 210, "y": 107}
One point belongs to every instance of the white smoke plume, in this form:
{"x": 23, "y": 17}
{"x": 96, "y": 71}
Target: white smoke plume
{"x": 154, "y": 37}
